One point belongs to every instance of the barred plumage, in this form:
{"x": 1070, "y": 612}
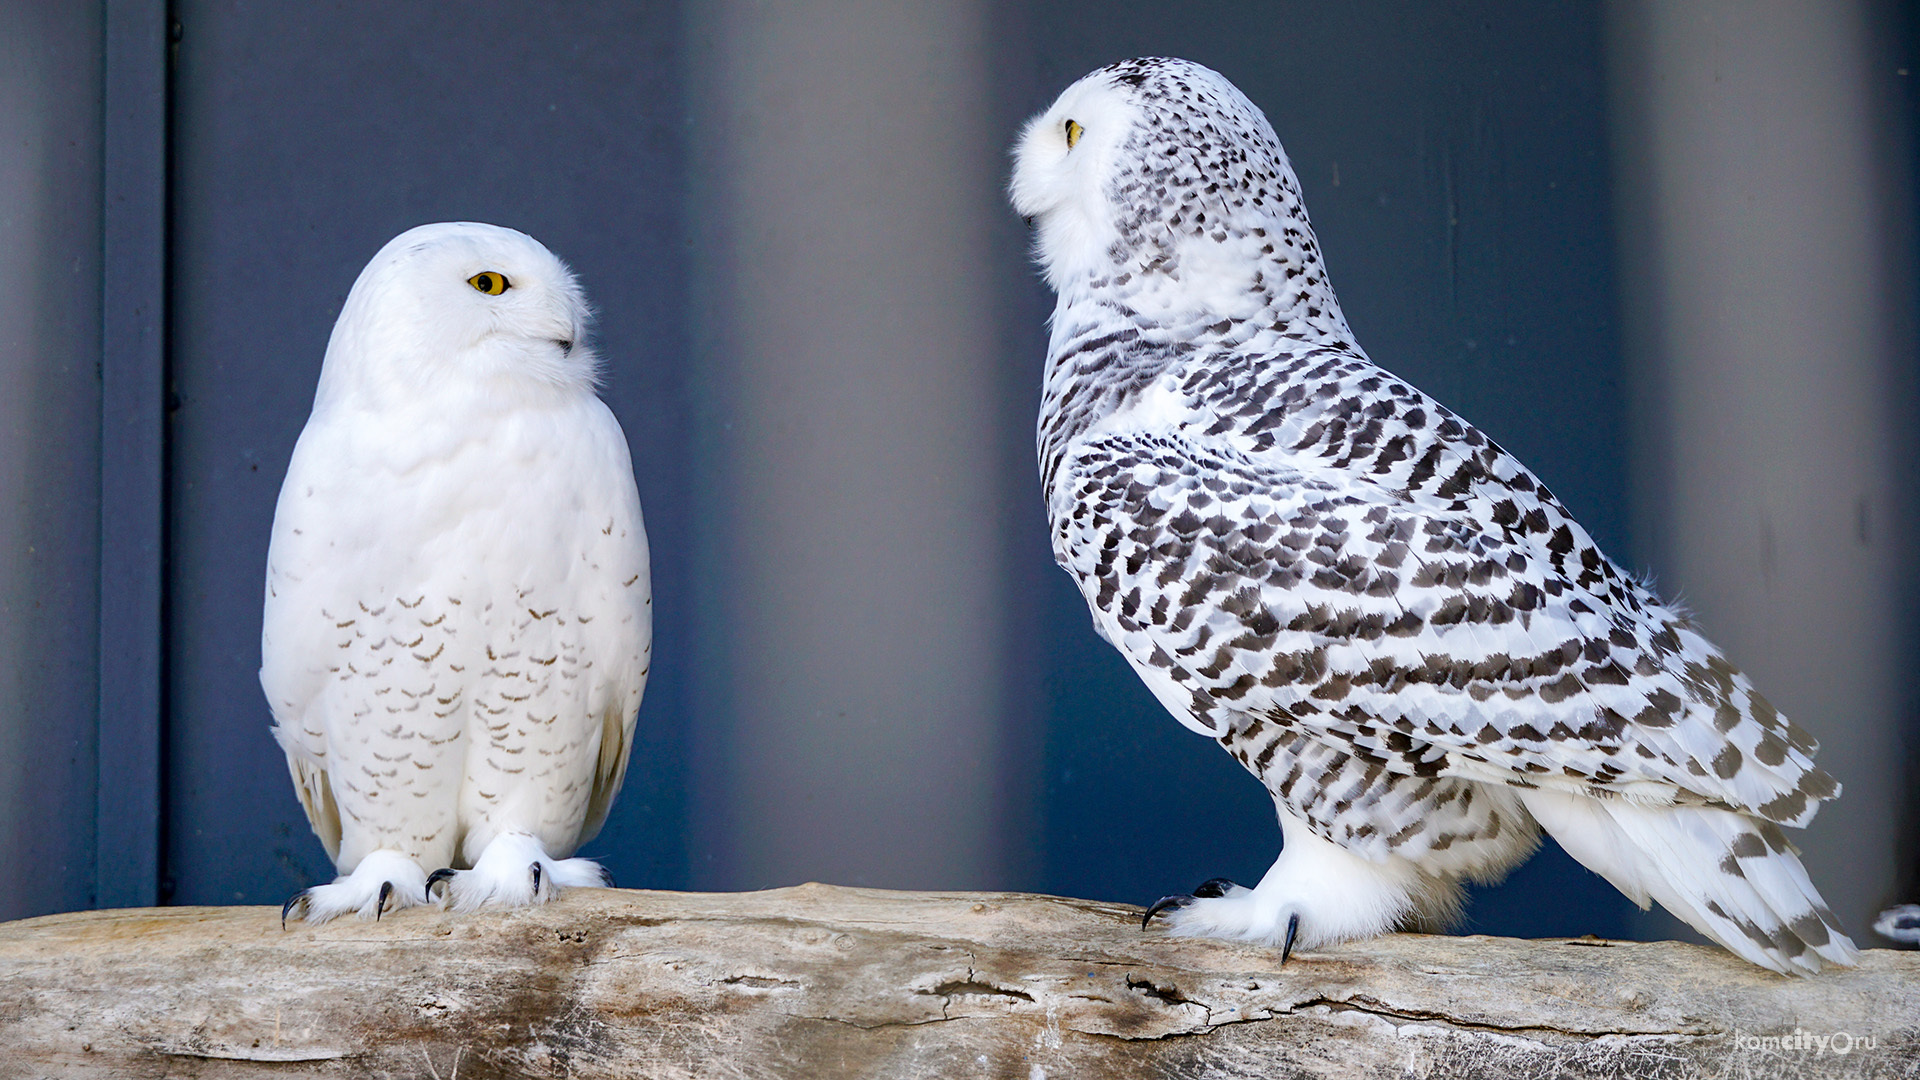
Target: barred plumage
{"x": 1374, "y": 608}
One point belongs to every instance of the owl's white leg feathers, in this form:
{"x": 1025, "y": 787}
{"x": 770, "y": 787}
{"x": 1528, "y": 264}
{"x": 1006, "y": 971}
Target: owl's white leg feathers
{"x": 383, "y": 881}
{"x": 1899, "y": 924}
{"x": 1317, "y": 893}
{"x": 514, "y": 870}
{"x": 1734, "y": 878}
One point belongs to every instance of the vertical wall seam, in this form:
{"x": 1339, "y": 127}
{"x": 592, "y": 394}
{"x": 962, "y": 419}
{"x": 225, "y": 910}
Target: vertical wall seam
{"x": 132, "y": 453}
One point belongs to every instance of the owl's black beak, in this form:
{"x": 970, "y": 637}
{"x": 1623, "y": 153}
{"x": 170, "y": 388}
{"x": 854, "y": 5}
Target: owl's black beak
{"x": 566, "y": 347}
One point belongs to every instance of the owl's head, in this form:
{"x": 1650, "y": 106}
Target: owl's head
{"x": 462, "y": 301}
{"x": 1159, "y": 167}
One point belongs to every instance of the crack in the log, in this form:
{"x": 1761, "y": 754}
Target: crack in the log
{"x": 975, "y": 987}
{"x": 1170, "y": 995}
{"x": 971, "y": 985}
{"x": 1174, "y": 999}
{"x": 759, "y": 981}
{"x": 272, "y": 1057}
{"x": 1332, "y": 1005}
{"x": 1386, "y": 1012}
{"x": 884, "y": 1024}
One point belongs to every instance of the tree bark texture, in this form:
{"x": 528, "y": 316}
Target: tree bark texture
{"x": 820, "y": 981}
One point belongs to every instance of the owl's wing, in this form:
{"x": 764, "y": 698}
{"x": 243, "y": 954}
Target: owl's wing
{"x": 1427, "y": 639}
{"x": 297, "y": 642}
{"x": 623, "y": 629}
{"x": 616, "y": 745}
{"x": 617, "y": 722}
{"x": 316, "y": 798}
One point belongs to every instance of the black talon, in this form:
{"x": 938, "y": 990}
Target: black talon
{"x": 1206, "y": 890}
{"x": 380, "y": 908}
{"x": 443, "y": 874}
{"x": 1213, "y": 887}
{"x": 1165, "y": 903}
{"x": 606, "y": 878}
{"x": 536, "y": 880}
{"x": 1293, "y": 927}
{"x": 299, "y": 898}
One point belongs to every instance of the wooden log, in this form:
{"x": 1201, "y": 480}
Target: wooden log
{"x": 819, "y": 981}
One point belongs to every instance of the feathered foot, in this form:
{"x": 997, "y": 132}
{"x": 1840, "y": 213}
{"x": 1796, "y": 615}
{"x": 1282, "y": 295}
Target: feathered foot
{"x": 1899, "y": 924}
{"x": 1317, "y": 893}
{"x": 515, "y": 871}
{"x": 383, "y": 881}
{"x": 1213, "y": 888}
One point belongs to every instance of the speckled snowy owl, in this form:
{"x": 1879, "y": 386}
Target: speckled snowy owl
{"x": 458, "y": 620}
{"x": 1375, "y": 609}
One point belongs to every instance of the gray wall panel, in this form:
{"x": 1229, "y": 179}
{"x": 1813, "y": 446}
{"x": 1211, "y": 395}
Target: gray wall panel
{"x": 133, "y": 409}
{"x": 857, "y": 521}
{"x": 1765, "y": 216}
{"x": 49, "y": 451}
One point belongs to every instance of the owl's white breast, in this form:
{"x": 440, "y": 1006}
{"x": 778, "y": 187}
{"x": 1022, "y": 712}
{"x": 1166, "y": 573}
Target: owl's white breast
{"x": 472, "y": 507}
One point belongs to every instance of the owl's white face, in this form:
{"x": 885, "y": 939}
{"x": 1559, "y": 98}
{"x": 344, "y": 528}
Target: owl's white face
{"x": 461, "y": 301}
{"x": 1063, "y": 164}
{"x": 1155, "y": 187}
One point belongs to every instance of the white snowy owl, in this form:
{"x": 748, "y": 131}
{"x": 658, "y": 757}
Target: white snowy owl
{"x": 1380, "y": 613}
{"x": 458, "y": 621}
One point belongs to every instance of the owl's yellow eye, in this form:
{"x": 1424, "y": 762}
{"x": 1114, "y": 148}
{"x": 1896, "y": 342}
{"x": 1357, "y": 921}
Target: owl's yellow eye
{"x": 490, "y": 283}
{"x": 1074, "y": 132}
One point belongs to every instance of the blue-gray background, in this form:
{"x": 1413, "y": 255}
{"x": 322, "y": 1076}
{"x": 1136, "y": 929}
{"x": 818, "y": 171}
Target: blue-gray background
{"x": 735, "y": 184}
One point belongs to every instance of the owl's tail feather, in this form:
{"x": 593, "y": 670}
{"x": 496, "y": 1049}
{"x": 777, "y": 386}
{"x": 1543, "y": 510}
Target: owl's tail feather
{"x": 1732, "y": 877}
